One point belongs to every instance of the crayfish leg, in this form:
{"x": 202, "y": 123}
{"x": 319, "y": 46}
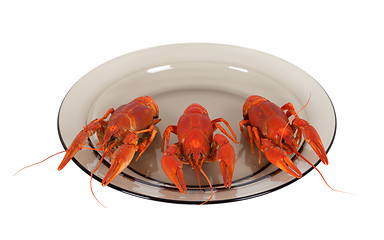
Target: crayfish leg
{"x": 215, "y": 124}
{"x": 243, "y": 124}
{"x": 167, "y": 135}
{"x": 145, "y": 144}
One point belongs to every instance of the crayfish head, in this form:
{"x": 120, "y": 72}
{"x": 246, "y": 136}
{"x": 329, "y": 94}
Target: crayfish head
{"x": 111, "y": 133}
{"x": 196, "y": 148}
{"x": 285, "y": 137}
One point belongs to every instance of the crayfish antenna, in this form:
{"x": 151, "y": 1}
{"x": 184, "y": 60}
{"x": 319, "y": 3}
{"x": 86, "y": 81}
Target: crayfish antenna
{"x": 210, "y": 185}
{"x": 52, "y": 156}
{"x": 90, "y": 181}
{"x": 198, "y": 180}
{"x": 39, "y": 162}
{"x": 319, "y": 173}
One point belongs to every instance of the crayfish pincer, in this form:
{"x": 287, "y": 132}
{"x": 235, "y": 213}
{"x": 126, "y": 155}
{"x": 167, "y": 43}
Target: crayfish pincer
{"x": 197, "y": 145}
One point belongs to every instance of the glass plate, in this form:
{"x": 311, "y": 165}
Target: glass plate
{"x": 219, "y": 77}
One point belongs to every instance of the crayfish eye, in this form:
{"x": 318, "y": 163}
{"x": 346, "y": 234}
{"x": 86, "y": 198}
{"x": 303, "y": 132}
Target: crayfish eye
{"x": 200, "y": 155}
{"x": 112, "y": 139}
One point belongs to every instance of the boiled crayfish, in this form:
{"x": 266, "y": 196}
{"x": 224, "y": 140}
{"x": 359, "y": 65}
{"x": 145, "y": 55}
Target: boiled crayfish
{"x": 119, "y": 136}
{"x": 129, "y": 129}
{"x": 271, "y": 131}
{"x": 196, "y": 145}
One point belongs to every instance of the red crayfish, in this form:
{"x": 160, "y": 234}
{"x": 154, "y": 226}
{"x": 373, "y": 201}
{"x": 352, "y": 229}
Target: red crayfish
{"x": 197, "y": 145}
{"x": 271, "y": 131}
{"x": 119, "y": 137}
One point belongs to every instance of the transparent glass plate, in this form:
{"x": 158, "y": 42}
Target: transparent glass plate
{"x": 219, "y": 77}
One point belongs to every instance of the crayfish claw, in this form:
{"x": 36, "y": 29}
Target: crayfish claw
{"x": 68, "y": 156}
{"x": 225, "y": 155}
{"x": 119, "y": 161}
{"x": 312, "y": 138}
{"x": 82, "y": 137}
{"x": 319, "y": 149}
{"x": 280, "y": 159}
{"x": 173, "y": 168}
{"x": 77, "y": 144}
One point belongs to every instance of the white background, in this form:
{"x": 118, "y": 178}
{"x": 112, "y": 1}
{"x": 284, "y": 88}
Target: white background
{"x": 45, "y": 47}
